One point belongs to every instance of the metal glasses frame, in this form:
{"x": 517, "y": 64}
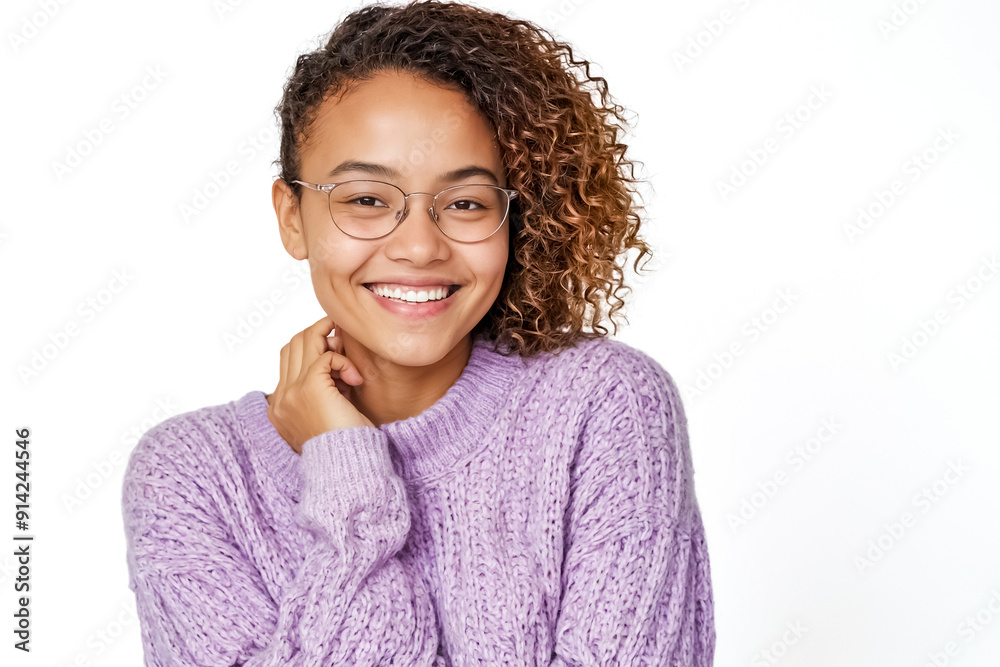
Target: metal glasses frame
{"x": 329, "y": 187}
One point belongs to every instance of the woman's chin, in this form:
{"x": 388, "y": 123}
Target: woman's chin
{"x": 407, "y": 349}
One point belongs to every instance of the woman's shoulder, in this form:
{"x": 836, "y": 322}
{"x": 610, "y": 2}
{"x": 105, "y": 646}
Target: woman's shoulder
{"x": 597, "y": 379}
{"x": 604, "y": 361}
{"x": 189, "y": 443}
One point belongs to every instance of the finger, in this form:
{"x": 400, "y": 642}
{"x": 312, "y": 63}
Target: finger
{"x": 303, "y": 348}
{"x": 321, "y": 371}
{"x": 295, "y": 357}
{"x": 344, "y": 369}
{"x": 335, "y": 342}
{"x": 324, "y": 324}
{"x": 283, "y": 369}
{"x": 349, "y": 373}
{"x": 302, "y": 351}
{"x": 326, "y": 369}
{"x": 315, "y": 342}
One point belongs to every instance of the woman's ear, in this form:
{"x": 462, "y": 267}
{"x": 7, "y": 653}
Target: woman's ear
{"x": 289, "y": 211}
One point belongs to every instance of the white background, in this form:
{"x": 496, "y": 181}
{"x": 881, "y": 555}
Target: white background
{"x": 857, "y": 293}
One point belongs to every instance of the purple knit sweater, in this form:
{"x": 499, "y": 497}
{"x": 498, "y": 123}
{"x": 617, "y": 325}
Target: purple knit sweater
{"x": 542, "y": 512}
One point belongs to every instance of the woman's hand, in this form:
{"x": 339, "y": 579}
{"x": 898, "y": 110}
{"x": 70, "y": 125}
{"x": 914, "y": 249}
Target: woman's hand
{"x": 312, "y": 393}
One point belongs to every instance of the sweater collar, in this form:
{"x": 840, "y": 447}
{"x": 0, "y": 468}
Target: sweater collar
{"x": 421, "y": 446}
{"x": 455, "y": 426}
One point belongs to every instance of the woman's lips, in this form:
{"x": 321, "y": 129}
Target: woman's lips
{"x": 415, "y": 309}
{"x": 404, "y": 288}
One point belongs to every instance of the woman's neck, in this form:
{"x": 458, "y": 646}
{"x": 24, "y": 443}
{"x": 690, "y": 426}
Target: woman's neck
{"x": 392, "y": 392}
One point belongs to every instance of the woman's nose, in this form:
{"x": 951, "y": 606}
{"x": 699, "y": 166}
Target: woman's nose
{"x": 417, "y": 236}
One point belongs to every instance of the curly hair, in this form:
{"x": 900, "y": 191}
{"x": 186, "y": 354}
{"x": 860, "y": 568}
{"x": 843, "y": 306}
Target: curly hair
{"x": 575, "y": 217}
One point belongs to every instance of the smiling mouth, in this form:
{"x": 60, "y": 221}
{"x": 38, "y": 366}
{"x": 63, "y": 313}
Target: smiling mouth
{"x": 414, "y": 295}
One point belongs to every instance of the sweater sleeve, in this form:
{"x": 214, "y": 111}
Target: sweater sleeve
{"x": 636, "y": 579}
{"x": 201, "y": 601}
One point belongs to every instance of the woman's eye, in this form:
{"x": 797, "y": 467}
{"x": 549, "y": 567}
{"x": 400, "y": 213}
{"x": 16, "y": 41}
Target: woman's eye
{"x": 367, "y": 201}
{"x": 465, "y": 205}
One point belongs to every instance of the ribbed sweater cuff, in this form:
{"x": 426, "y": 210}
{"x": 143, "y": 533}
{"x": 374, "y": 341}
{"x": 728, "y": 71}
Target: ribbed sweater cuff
{"x": 347, "y": 474}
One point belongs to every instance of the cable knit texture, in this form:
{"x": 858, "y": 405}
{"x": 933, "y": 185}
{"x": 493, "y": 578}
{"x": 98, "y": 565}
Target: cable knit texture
{"x": 542, "y": 512}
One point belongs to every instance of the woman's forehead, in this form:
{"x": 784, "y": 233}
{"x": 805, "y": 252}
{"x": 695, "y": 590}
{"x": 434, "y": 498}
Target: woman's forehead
{"x": 401, "y": 121}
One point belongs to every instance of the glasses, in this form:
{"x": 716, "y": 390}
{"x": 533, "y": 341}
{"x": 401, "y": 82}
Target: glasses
{"x": 373, "y": 209}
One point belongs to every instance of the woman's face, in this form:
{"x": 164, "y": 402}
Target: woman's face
{"x": 402, "y": 130}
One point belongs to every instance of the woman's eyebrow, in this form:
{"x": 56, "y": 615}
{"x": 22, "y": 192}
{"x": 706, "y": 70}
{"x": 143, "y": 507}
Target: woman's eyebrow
{"x": 467, "y": 172}
{"x": 387, "y": 172}
{"x": 370, "y": 167}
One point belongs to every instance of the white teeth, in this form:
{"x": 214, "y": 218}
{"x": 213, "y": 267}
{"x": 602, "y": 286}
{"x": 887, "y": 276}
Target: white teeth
{"x": 412, "y": 295}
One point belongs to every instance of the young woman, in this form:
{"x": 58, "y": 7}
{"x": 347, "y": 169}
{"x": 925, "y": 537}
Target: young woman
{"x": 457, "y": 466}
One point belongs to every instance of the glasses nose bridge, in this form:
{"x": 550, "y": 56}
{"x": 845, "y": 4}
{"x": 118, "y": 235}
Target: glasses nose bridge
{"x": 406, "y": 205}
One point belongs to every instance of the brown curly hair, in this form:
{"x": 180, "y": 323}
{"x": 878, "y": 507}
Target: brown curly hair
{"x": 575, "y": 216}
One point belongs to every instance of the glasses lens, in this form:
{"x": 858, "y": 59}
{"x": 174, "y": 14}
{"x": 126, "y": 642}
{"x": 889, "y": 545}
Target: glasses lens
{"x": 471, "y": 212}
{"x": 365, "y": 209}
